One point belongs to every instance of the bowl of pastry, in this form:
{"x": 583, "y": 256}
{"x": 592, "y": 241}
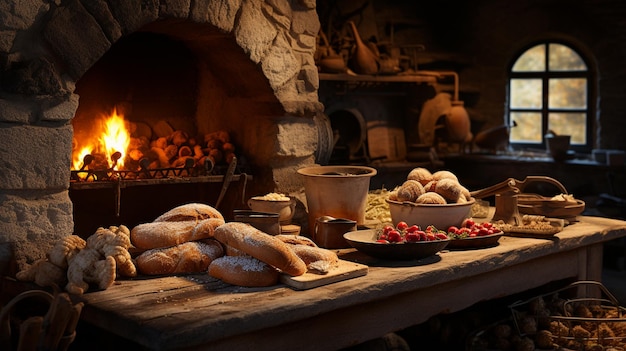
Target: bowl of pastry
{"x": 426, "y": 199}
{"x": 442, "y": 216}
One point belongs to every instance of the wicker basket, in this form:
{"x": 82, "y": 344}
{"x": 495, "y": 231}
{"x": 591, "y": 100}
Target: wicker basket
{"x": 581, "y": 316}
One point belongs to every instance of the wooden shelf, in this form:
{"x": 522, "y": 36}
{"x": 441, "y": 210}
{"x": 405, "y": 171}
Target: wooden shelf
{"x": 342, "y": 77}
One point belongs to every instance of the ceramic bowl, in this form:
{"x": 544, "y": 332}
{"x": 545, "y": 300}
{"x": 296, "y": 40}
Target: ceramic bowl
{"x": 365, "y": 241}
{"x": 441, "y": 216}
{"x": 284, "y": 208}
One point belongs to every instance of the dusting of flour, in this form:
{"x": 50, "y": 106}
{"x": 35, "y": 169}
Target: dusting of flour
{"x": 246, "y": 263}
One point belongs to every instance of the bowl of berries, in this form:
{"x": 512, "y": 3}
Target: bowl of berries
{"x": 471, "y": 234}
{"x": 399, "y": 242}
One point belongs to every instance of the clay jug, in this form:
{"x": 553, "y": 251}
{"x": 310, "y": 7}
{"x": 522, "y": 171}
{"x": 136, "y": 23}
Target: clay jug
{"x": 362, "y": 59}
{"x": 329, "y": 231}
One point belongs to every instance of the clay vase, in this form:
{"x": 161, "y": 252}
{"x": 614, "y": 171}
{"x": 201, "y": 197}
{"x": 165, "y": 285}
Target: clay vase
{"x": 457, "y": 122}
{"x": 362, "y": 60}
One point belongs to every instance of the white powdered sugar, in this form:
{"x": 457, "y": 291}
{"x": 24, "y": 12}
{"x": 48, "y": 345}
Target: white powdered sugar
{"x": 246, "y": 263}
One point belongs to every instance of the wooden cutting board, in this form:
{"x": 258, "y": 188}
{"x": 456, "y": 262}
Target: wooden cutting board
{"x": 345, "y": 270}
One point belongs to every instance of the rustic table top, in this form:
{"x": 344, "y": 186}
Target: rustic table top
{"x": 197, "y": 311}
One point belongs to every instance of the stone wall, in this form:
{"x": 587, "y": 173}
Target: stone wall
{"x": 46, "y": 46}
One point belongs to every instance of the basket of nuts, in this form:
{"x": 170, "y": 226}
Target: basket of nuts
{"x": 582, "y": 316}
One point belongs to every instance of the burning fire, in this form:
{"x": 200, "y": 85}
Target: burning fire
{"x": 111, "y": 140}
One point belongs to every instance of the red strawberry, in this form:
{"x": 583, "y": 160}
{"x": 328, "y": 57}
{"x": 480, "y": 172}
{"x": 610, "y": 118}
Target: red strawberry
{"x": 412, "y": 229}
{"x": 468, "y": 223}
{"x": 422, "y": 235}
{"x": 412, "y": 237}
{"x": 394, "y": 236}
{"x": 401, "y": 226}
{"x": 441, "y": 236}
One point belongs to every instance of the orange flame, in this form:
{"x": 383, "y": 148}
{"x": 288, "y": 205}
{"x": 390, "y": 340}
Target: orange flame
{"x": 115, "y": 137}
{"x": 112, "y": 136}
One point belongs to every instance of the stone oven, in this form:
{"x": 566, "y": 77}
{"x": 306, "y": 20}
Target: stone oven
{"x": 244, "y": 66}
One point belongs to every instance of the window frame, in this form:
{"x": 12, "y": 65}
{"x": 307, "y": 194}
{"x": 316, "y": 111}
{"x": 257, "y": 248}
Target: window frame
{"x": 545, "y": 110}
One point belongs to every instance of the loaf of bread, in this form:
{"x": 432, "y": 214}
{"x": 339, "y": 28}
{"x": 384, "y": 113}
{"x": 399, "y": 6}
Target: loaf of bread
{"x": 243, "y": 271}
{"x": 189, "y": 212}
{"x": 231, "y": 251}
{"x": 166, "y": 234}
{"x": 311, "y": 254}
{"x": 262, "y": 246}
{"x": 189, "y": 257}
{"x": 296, "y": 239}
{"x": 316, "y": 258}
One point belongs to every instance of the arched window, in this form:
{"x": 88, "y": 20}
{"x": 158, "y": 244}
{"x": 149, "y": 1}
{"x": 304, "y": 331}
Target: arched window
{"x": 549, "y": 89}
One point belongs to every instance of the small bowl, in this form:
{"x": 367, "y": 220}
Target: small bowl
{"x": 365, "y": 241}
{"x": 284, "y": 208}
{"x": 440, "y": 216}
{"x": 266, "y": 222}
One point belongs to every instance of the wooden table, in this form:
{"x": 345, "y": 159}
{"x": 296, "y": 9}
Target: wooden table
{"x": 193, "y": 312}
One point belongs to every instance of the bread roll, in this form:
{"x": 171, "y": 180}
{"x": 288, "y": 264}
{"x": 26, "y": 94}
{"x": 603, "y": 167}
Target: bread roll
{"x": 439, "y": 175}
{"x": 449, "y": 189}
{"x": 156, "y": 235}
{"x": 243, "y": 271}
{"x": 431, "y": 198}
{"x": 264, "y": 247}
{"x": 189, "y": 257}
{"x": 316, "y": 258}
{"x": 420, "y": 174}
{"x": 189, "y": 212}
{"x": 410, "y": 190}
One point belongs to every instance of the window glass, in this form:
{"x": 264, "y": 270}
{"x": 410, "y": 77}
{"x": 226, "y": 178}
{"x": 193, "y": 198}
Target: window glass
{"x": 528, "y": 129}
{"x": 549, "y": 88}
{"x": 566, "y": 123}
{"x": 533, "y": 60}
{"x": 567, "y": 93}
{"x": 562, "y": 58}
{"x": 526, "y": 93}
